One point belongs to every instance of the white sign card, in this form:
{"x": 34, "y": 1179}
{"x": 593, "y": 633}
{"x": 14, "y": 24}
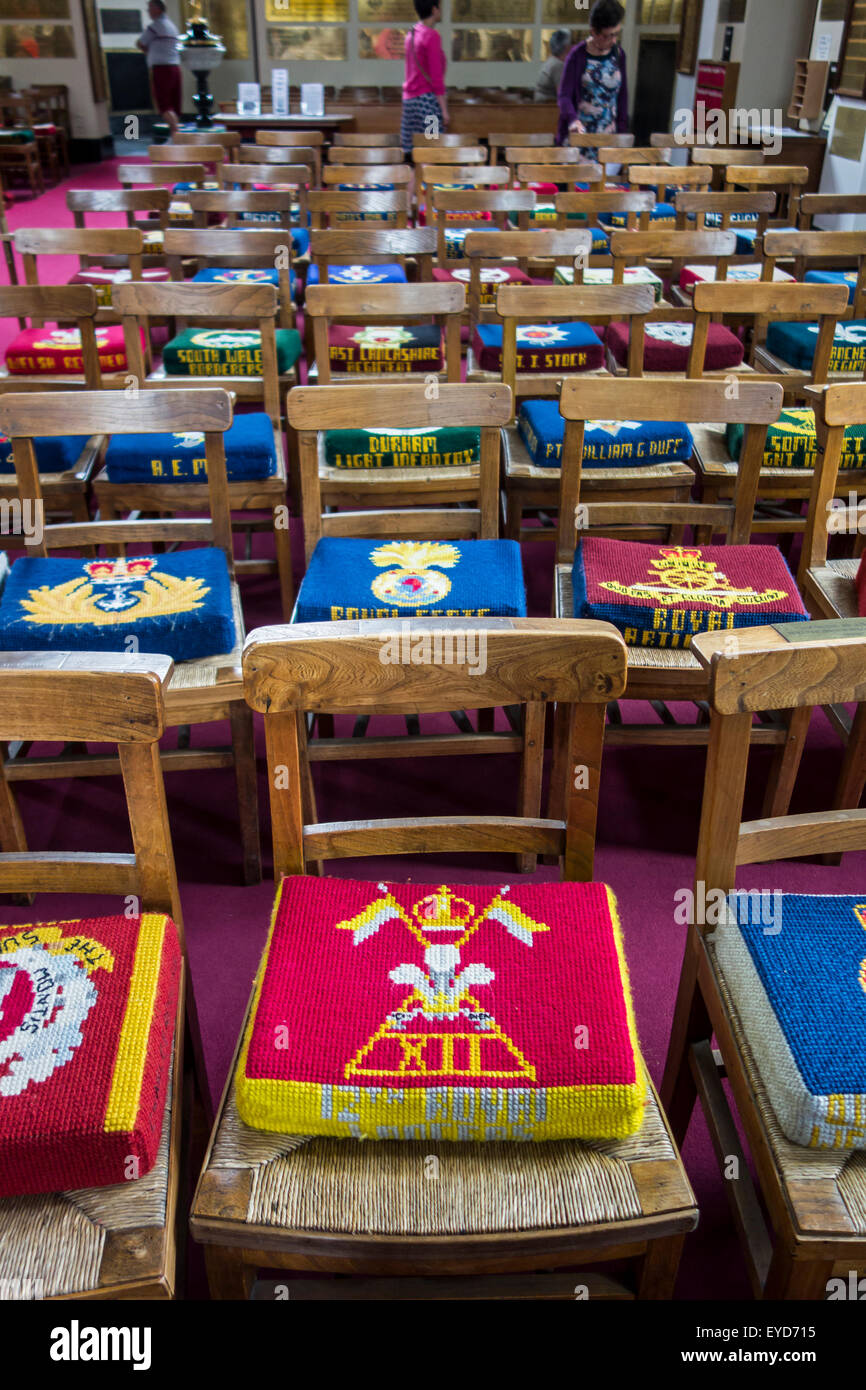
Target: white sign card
{"x": 280, "y": 91}
{"x": 312, "y": 99}
{"x": 249, "y": 99}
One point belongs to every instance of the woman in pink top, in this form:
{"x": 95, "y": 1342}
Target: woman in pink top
{"x": 425, "y": 108}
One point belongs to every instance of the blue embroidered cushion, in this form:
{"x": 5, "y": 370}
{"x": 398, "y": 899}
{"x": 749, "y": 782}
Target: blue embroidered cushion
{"x": 796, "y": 971}
{"x": 660, "y": 595}
{"x": 178, "y": 604}
{"x": 220, "y": 275}
{"x": 795, "y": 343}
{"x": 180, "y": 458}
{"x": 833, "y": 277}
{"x": 662, "y": 212}
{"x": 386, "y": 274}
{"x": 541, "y": 347}
{"x": 606, "y": 443}
{"x": 406, "y": 579}
{"x": 53, "y": 454}
{"x": 455, "y": 237}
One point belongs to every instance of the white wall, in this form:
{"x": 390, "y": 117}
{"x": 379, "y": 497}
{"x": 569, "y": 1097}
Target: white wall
{"x": 89, "y": 119}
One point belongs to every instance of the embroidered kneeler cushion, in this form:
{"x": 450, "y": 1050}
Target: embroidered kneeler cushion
{"x": 57, "y": 351}
{"x": 179, "y": 604}
{"x": 666, "y": 346}
{"x": 438, "y": 447}
{"x": 180, "y": 458}
{"x": 606, "y": 443}
{"x": 603, "y": 275}
{"x": 795, "y": 344}
{"x": 87, "y": 1020}
{"x": 833, "y": 277}
{"x": 660, "y": 596}
{"x": 541, "y": 347}
{"x": 103, "y": 281}
{"x": 491, "y": 276}
{"x": 690, "y": 275}
{"x": 388, "y": 273}
{"x": 376, "y": 348}
{"x": 337, "y": 217}
{"x": 20, "y": 135}
{"x": 798, "y": 985}
{"x": 224, "y": 275}
{"x": 663, "y": 213}
{"x": 473, "y": 1013}
{"x": 454, "y": 239}
{"x": 227, "y": 352}
{"x": 348, "y": 578}
{"x": 54, "y": 454}
{"x": 792, "y": 442}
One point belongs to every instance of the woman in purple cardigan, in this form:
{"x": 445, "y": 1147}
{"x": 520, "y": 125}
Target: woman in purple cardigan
{"x": 593, "y": 94}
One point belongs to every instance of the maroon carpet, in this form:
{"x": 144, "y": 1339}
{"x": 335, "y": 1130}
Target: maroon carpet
{"x": 649, "y": 812}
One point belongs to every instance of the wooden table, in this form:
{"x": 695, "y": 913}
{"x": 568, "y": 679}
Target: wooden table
{"x": 248, "y": 125}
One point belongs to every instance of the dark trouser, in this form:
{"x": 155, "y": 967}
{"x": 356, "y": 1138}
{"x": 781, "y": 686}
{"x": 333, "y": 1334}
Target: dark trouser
{"x": 166, "y": 83}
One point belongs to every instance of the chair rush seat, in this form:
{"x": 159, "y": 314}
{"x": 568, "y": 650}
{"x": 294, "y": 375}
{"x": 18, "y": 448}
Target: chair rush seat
{"x": 227, "y": 352}
{"x": 795, "y": 343}
{"x": 464, "y": 1013}
{"x": 547, "y": 347}
{"x": 661, "y": 595}
{"x": 691, "y": 275}
{"x": 103, "y": 281}
{"x": 833, "y": 277}
{"x": 666, "y": 347}
{"x": 355, "y": 578}
{"x": 490, "y": 275}
{"x": 389, "y": 273}
{"x": 799, "y": 988}
{"x": 87, "y": 1018}
{"x": 603, "y": 275}
{"x": 168, "y": 458}
{"x": 54, "y": 453}
{"x": 377, "y": 348}
{"x": 57, "y": 351}
{"x": 438, "y": 447}
{"x": 178, "y": 604}
{"x": 792, "y": 441}
{"x": 607, "y": 443}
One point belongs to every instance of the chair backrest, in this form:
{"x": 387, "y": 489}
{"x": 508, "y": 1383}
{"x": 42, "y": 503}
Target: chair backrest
{"x": 518, "y": 153}
{"x": 229, "y": 139}
{"x": 449, "y": 154}
{"x": 348, "y": 154}
{"x": 366, "y": 139}
{"x": 216, "y": 304}
{"x": 89, "y": 244}
{"x": 668, "y": 140}
{"x": 636, "y": 248}
{"x": 836, "y": 407}
{"x": 816, "y": 663}
{"x": 25, "y": 417}
{"x": 467, "y": 206}
{"x": 368, "y": 175}
{"x": 473, "y": 175}
{"x": 317, "y": 408}
{"x": 809, "y": 247}
{"x": 374, "y": 246}
{"x": 548, "y": 303}
{"x": 385, "y": 304}
{"x": 484, "y": 248}
{"x": 814, "y": 205}
{"x": 159, "y": 175}
{"x": 449, "y": 141}
{"x": 762, "y": 302}
{"x": 563, "y": 175}
{"x": 497, "y": 141}
{"x": 719, "y": 156}
{"x": 59, "y": 304}
{"x": 591, "y": 205}
{"x": 339, "y": 667}
{"x": 675, "y": 176}
{"x": 156, "y": 201}
{"x": 290, "y": 137}
{"x": 286, "y": 175}
{"x": 582, "y": 140}
{"x": 103, "y": 698}
{"x": 270, "y": 206}
{"x": 789, "y": 179}
{"x": 176, "y": 154}
{"x": 757, "y": 206}
{"x": 295, "y": 154}
{"x": 339, "y": 206}
{"x": 635, "y": 154}
{"x": 244, "y": 248}
{"x": 756, "y": 405}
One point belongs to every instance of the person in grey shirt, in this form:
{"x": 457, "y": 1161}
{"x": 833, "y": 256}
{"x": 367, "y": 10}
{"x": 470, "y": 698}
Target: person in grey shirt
{"x": 547, "y": 86}
{"x": 159, "y": 43}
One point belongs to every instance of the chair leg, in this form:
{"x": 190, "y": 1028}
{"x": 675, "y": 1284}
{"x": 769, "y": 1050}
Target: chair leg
{"x": 243, "y": 751}
{"x": 786, "y": 764}
{"x": 691, "y": 1024}
{"x": 283, "y": 548}
{"x": 513, "y": 517}
{"x": 849, "y": 788}
{"x": 796, "y": 1279}
{"x": 658, "y": 1268}
{"x": 227, "y": 1275}
{"x": 531, "y": 771}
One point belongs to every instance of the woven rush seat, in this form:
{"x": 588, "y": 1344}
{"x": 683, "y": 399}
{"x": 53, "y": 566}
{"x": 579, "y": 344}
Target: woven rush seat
{"x": 668, "y": 659}
{"x": 834, "y": 587}
{"x": 356, "y": 578}
{"x": 250, "y": 447}
{"x": 667, "y": 345}
{"x": 86, "y": 1028}
{"x": 388, "y": 273}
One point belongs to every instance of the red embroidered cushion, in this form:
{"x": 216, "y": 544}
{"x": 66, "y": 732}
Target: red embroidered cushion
{"x": 87, "y": 1020}
{"x": 384, "y": 349}
{"x": 400, "y": 1011}
{"x": 666, "y": 346}
{"x": 57, "y": 351}
{"x": 492, "y": 276}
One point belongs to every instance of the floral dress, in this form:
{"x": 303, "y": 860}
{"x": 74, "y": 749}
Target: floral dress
{"x": 599, "y": 95}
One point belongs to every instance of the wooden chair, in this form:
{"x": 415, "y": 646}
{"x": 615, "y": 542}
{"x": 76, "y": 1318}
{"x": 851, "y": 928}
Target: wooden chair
{"x": 834, "y": 205}
{"x": 437, "y": 177}
{"x": 153, "y": 202}
{"x": 564, "y": 174}
{"x": 387, "y": 1232}
{"x": 376, "y": 176}
{"x": 351, "y": 155}
{"x": 335, "y": 207}
{"x": 363, "y": 248}
{"x": 800, "y": 249}
{"x": 589, "y": 208}
{"x": 19, "y": 109}
{"x": 449, "y": 155}
{"x": 447, "y": 140}
{"x": 467, "y": 209}
{"x": 75, "y": 307}
{"x": 626, "y": 157}
{"x": 515, "y": 154}
{"x": 201, "y": 691}
{"x": 258, "y": 179}
{"x": 116, "y": 1242}
{"x": 394, "y": 307}
{"x": 19, "y": 158}
{"x": 661, "y": 675}
{"x": 166, "y": 176}
{"x": 787, "y": 179}
{"x": 530, "y": 487}
{"x": 241, "y": 253}
{"x": 104, "y": 254}
{"x": 283, "y": 157}
{"x": 807, "y": 1229}
{"x": 243, "y": 208}
{"x": 284, "y": 176}
{"x": 720, "y": 160}
{"x": 229, "y": 139}
{"x": 294, "y": 140}
{"x": 498, "y": 142}
{"x": 6, "y": 240}
{"x": 370, "y": 140}
{"x": 697, "y": 177}
{"x": 582, "y": 141}
{"x": 213, "y": 154}
{"x": 726, "y": 212}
